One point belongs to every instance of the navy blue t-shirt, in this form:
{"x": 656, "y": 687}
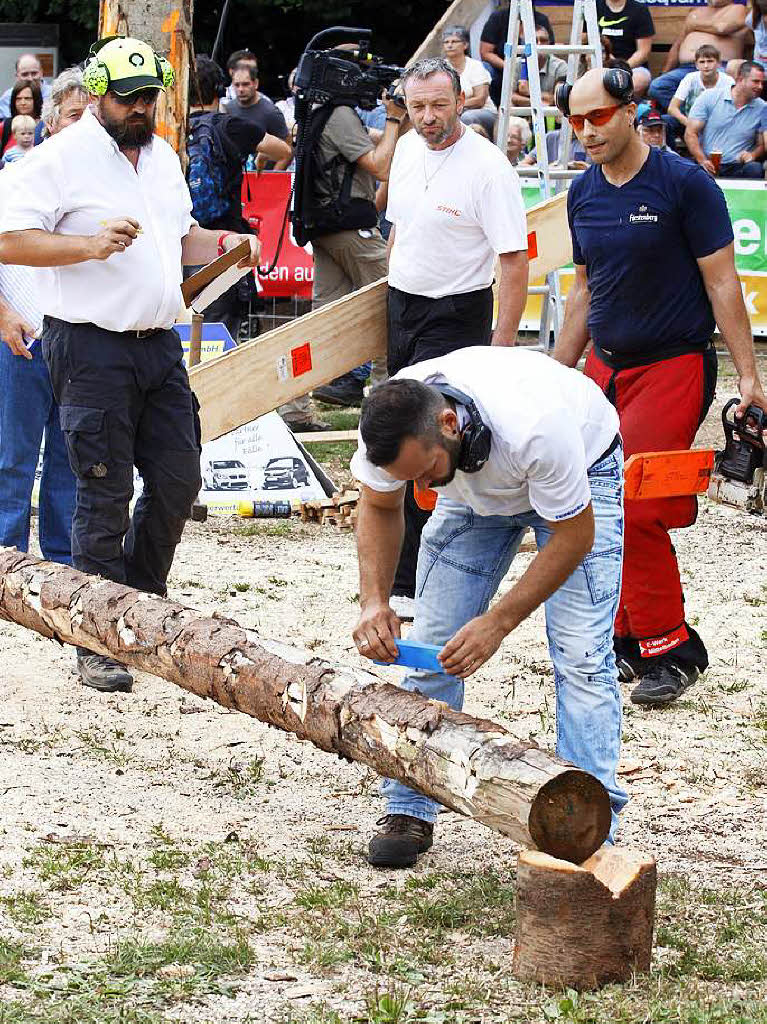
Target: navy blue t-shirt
{"x": 640, "y": 244}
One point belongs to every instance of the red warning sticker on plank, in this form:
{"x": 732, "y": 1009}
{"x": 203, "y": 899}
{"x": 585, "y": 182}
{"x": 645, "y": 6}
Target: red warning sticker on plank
{"x": 302, "y": 359}
{"x": 532, "y": 245}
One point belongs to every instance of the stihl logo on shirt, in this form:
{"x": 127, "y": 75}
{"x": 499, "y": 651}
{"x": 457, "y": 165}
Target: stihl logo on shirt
{"x": 643, "y": 216}
{"x": 449, "y": 209}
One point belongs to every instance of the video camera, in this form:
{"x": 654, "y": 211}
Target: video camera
{"x": 324, "y": 75}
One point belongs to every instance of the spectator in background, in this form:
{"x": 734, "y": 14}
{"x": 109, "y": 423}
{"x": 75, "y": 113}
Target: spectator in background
{"x": 28, "y": 411}
{"x": 629, "y": 27}
{"x": 551, "y": 69}
{"x": 707, "y": 75}
{"x": 732, "y": 125}
{"x": 475, "y": 79}
{"x": 23, "y": 127}
{"x": 235, "y": 58}
{"x": 493, "y": 40}
{"x": 518, "y": 139}
{"x": 28, "y": 69}
{"x": 577, "y": 157}
{"x": 287, "y": 107}
{"x": 26, "y": 98}
{"x": 251, "y": 105}
{"x": 652, "y": 130}
{"x": 756, "y": 22}
{"x": 238, "y": 138}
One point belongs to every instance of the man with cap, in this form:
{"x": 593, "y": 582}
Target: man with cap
{"x": 654, "y": 276}
{"x": 652, "y": 130}
{"x": 105, "y": 206}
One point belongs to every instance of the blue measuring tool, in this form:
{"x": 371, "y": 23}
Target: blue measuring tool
{"x": 414, "y": 654}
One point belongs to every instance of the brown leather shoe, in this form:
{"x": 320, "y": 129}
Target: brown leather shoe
{"x": 400, "y": 841}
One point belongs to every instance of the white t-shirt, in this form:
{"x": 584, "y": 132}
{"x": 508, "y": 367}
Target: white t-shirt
{"x": 548, "y": 423}
{"x": 453, "y": 209}
{"x": 473, "y": 75}
{"x": 691, "y": 87}
{"x": 71, "y": 185}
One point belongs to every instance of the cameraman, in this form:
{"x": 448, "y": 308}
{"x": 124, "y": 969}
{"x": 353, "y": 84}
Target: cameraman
{"x": 346, "y": 260}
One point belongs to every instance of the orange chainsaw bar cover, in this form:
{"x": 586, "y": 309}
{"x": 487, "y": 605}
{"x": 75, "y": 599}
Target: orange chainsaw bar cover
{"x": 668, "y": 474}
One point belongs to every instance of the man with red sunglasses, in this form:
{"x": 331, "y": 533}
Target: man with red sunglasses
{"x": 654, "y": 276}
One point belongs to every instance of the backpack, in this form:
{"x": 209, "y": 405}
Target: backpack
{"x": 312, "y": 217}
{"x": 212, "y": 169}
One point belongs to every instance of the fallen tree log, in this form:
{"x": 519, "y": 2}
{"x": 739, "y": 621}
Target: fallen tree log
{"x": 471, "y": 765}
{"x": 584, "y": 926}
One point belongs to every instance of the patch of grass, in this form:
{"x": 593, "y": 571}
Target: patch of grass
{"x": 75, "y": 1010}
{"x": 478, "y": 903}
{"x": 11, "y": 955}
{"x": 25, "y": 908}
{"x": 166, "y": 894}
{"x": 335, "y": 453}
{"x": 337, "y": 894}
{"x": 241, "y": 588}
{"x": 168, "y": 856}
{"x": 239, "y": 779}
{"x": 212, "y": 957}
{"x": 66, "y": 866}
{"x": 93, "y": 741}
{"x": 391, "y": 1006}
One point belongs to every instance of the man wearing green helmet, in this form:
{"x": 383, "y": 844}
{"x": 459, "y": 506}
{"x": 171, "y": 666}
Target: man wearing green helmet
{"x": 106, "y": 208}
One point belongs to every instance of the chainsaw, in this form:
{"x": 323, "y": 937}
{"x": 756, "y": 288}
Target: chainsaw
{"x": 733, "y": 476}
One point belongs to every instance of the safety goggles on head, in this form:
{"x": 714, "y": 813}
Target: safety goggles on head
{"x": 598, "y": 117}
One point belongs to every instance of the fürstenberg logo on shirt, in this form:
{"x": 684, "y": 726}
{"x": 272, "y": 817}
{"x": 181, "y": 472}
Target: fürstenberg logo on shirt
{"x": 644, "y": 216}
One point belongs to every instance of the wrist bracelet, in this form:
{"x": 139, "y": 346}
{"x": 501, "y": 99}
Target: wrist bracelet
{"x": 221, "y": 237}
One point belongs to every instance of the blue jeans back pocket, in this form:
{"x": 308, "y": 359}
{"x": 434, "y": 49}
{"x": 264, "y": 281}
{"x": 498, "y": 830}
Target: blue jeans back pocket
{"x": 603, "y": 573}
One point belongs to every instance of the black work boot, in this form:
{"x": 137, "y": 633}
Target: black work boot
{"x": 628, "y": 658}
{"x": 400, "y": 841}
{"x": 102, "y": 673}
{"x": 667, "y": 676}
{"x": 346, "y": 390}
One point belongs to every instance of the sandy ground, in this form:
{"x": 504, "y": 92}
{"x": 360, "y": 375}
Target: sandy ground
{"x": 160, "y": 766}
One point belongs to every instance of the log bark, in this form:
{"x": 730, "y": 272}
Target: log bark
{"x": 471, "y": 765}
{"x": 167, "y": 26}
{"x": 584, "y": 926}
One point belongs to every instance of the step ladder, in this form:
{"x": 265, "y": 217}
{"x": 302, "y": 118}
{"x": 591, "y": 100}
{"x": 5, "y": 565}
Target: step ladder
{"x": 584, "y": 18}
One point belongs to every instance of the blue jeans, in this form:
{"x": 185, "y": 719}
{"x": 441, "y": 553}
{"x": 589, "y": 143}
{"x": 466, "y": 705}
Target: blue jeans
{"x": 463, "y": 559}
{"x": 28, "y": 412}
{"x": 662, "y": 89}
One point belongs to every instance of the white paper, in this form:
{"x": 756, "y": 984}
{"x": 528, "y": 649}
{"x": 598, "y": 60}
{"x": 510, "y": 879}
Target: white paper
{"x": 217, "y": 287}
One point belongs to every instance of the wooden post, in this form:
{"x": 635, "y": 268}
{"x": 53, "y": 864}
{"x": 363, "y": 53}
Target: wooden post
{"x": 195, "y": 339}
{"x": 167, "y": 26}
{"x": 469, "y": 764}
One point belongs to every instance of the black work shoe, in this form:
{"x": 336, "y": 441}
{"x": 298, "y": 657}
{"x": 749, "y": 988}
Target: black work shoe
{"x": 400, "y": 841}
{"x": 664, "y": 680}
{"x": 628, "y": 659}
{"x": 341, "y": 391}
{"x": 104, "y": 674}
{"x": 308, "y": 426}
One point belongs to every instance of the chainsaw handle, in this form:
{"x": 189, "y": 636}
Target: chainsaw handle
{"x": 750, "y": 433}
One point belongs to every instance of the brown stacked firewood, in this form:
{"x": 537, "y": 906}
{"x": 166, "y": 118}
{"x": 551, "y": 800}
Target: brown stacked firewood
{"x": 340, "y": 510}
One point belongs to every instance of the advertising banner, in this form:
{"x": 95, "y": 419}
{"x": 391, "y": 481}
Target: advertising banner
{"x": 265, "y": 199}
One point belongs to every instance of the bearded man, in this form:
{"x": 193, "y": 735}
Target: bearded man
{"x": 105, "y": 206}
{"x": 510, "y": 439}
{"x": 456, "y": 204}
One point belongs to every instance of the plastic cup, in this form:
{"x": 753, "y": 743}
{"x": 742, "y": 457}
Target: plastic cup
{"x": 716, "y": 159}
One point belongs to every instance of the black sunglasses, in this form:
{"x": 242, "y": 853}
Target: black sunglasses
{"x": 148, "y": 95}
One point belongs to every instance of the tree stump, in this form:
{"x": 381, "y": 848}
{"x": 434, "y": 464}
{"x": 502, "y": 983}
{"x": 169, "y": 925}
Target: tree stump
{"x": 584, "y": 926}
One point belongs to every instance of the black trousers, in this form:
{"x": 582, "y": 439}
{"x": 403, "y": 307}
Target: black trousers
{"x": 421, "y": 328}
{"x": 125, "y": 401}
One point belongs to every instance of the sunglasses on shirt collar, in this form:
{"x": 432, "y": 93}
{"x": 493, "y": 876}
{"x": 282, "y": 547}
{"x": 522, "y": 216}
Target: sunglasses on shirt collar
{"x": 597, "y": 117}
{"x": 148, "y": 95}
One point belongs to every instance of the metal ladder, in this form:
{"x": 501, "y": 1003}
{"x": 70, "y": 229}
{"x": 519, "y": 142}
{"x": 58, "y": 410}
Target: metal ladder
{"x": 584, "y": 15}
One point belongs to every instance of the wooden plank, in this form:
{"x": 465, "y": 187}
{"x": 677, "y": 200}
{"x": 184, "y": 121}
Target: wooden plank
{"x": 548, "y": 236}
{"x": 288, "y": 362}
{"x": 460, "y": 12}
{"x": 327, "y": 436}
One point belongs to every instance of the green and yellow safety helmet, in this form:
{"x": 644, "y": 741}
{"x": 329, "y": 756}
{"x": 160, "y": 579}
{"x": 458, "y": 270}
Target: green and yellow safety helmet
{"x": 123, "y": 65}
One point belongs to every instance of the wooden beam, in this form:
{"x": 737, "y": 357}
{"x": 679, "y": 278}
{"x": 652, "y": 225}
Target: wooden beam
{"x": 327, "y": 436}
{"x": 288, "y": 362}
{"x": 460, "y": 12}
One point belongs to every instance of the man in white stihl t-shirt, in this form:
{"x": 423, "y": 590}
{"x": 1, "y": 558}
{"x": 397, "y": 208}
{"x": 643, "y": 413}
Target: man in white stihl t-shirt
{"x": 509, "y": 440}
{"x": 455, "y": 204}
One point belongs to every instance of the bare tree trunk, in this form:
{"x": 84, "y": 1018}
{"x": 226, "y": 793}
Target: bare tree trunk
{"x": 469, "y": 764}
{"x": 584, "y": 926}
{"x": 167, "y": 26}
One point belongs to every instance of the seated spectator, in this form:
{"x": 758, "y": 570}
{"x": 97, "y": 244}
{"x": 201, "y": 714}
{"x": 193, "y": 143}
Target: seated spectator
{"x": 238, "y": 138}
{"x": 518, "y": 139}
{"x": 707, "y": 75}
{"x": 730, "y": 126}
{"x": 577, "y": 158}
{"x": 493, "y": 40}
{"x": 475, "y": 78}
{"x": 26, "y": 98}
{"x": 251, "y": 105}
{"x": 23, "y": 128}
{"x": 28, "y": 69}
{"x": 552, "y": 71}
{"x": 629, "y": 26}
{"x": 641, "y": 78}
{"x": 652, "y": 130}
{"x": 722, "y": 24}
{"x": 755, "y": 20}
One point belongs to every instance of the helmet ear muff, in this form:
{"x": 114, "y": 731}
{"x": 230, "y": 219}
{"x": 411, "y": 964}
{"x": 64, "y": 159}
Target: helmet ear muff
{"x": 165, "y": 71}
{"x": 96, "y": 77}
{"x": 562, "y": 97}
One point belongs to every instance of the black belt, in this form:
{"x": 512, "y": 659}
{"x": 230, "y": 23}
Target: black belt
{"x": 616, "y": 442}
{"x": 148, "y": 333}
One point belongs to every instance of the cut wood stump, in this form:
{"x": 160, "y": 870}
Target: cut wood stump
{"x": 472, "y": 765}
{"x": 584, "y": 926}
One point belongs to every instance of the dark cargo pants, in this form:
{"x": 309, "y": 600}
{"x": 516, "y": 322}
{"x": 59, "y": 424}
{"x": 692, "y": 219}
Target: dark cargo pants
{"x": 125, "y": 401}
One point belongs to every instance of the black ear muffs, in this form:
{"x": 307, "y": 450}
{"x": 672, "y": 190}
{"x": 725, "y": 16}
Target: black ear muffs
{"x": 476, "y": 437}
{"x": 618, "y": 82}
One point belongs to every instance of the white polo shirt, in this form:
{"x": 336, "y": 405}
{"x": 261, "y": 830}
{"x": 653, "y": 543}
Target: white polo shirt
{"x": 70, "y": 185}
{"x": 549, "y": 424}
{"x": 454, "y": 209}
{"x": 20, "y": 286}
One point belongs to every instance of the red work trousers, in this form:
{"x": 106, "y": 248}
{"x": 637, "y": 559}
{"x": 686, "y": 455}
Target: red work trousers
{"x": 660, "y": 406}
